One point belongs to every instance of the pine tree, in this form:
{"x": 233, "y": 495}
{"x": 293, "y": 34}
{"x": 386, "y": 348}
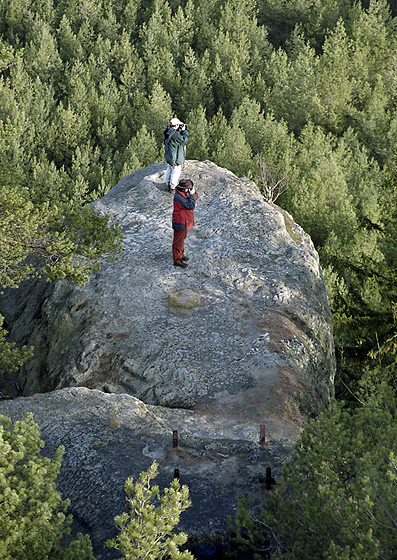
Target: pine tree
{"x": 218, "y": 127}
{"x": 16, "y": 18}
{"x": 147, "y": 530}
{"x": 69, "y": 46}
{"x": 84, "y": 172}
{"x": 130, "y": 16}
{"x": 337, "y": 498}
{"x": 106, "y": 113}
{"x": 319, "y": 198}
{"x": 372, "y": 36}
{"x": 335, "y": 83}
{"x": 33, "y": 518}
{"x": 68, "y": 131}
{"x": 158, "y": 112}
{"x": 63, "y": 241}
{"x": 183, "y": 34}
{"x": 234, "y": 152}
{"x": 206, "y": 19}
{"x": 141, "y": 151}
{"x": 108, "y": 24}
{"x": 81, "y": 14}
{"x": 316, "y": 18}
{"x": 156, "y": 38}
{"x": 41, "y": 52}
{"x": 231, "y": 45}
{"x": 11, "y": 357}
{"x": 292, "y": 94}
{"x": 374, "y": 123}
{"x": 195, "y": 84}
{"x": 198, "y": 127}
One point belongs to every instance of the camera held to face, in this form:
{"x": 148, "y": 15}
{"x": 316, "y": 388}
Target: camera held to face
{"x": 182, "y": 126}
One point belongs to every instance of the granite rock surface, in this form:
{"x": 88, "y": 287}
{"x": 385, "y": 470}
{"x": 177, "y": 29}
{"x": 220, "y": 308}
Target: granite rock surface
{"x": 240, "y": 340}
{"x": 243, "y": 336}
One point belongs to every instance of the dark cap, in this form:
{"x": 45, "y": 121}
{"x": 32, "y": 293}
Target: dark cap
{"x": 185, "y": 184}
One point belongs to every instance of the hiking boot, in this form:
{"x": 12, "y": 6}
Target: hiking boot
{"x": 181, "y": 264}
{"x": 171, "y": 189}
{"x": 184, "y": 258}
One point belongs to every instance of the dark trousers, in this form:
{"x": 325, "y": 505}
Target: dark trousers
{"x": 178, "y": 245}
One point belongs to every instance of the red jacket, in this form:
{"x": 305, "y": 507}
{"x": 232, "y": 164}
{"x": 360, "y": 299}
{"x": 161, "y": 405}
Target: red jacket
{"x": 183, "y": 214}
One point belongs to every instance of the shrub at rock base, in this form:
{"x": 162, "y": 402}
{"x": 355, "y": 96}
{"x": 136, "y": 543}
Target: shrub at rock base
{"x": 147, "y": 531}
{"x": 337, "y": 499}
{"x": 32, "y": 514}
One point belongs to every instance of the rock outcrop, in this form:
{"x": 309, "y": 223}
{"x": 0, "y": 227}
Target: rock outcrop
{"x": 241, "y": 338}
{"x": 108, "y": 438}
{"x": 244, "y": 334}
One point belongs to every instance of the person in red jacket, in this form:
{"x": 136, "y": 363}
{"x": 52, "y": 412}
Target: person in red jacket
{"x": 182, "y": 219}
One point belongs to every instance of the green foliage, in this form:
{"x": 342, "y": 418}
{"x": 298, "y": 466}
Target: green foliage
{"x": 158, "y": 110}
{"x": 47, "y": 238}
{"x": 33, "y": 518}
{"x": 198, "y": 135}
{"x": 292, "y": 94}
{"x": 195, "y": 91}
{"x": 233, "y": 151}
{"x": 11, "y": 357}
{"x": 337, "y": 192}
{"x": 316, "y": 17}
{"x": 338, "y": 494}
{"x": 66, "y": 243}
{"x": 147, "y": 531}
{"x": 249, "y": 534}
{"x": 335, "y": 85}
{"x": 301, "y": 91}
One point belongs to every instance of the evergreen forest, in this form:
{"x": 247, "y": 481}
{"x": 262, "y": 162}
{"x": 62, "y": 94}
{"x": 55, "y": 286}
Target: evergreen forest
{"x": 298, "y": 95}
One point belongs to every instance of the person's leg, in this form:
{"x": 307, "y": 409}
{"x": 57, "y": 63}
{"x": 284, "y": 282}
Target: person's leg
{"x": 178, "y": 245}
{"x": 168, "y": 175}
{"x": 175, "y": 176}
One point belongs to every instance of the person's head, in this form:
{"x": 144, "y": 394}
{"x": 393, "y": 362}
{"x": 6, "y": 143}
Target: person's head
{"x": 185, "y": 185}
{"x": 175, "y": 123}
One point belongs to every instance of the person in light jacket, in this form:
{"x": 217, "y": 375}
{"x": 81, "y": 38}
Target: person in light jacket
{"x": 175, "y": 139}
{"x": 182, "y": 219}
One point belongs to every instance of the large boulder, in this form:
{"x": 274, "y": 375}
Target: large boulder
{"x": 233, "y": 353}
{"x": 243, "y": 336}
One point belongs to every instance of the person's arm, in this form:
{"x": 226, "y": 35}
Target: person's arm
{"x": 188, "y": 203}
{"x": 181, "y": 137}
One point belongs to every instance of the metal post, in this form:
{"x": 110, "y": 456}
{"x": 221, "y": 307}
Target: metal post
{"x": 262, "y": 434}
{"x": 269, "y": 480}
